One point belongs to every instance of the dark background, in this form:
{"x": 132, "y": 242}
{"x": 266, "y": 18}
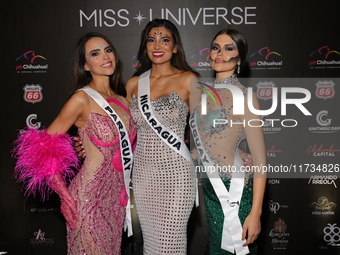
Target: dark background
{"x": 299, "y": 216}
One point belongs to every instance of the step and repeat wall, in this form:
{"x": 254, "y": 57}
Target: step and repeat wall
{"x": 292, "y": 44}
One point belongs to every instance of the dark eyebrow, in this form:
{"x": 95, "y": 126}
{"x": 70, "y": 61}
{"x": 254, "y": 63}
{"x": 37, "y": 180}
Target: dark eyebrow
{"x": 162, "y": 37}
{"x": 96, "y": 50}
{"x": 227, "y": 44}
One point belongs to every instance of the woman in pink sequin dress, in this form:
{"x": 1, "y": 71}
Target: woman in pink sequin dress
{"x": 98, "y": 186}
{"x": 94, "y": 202}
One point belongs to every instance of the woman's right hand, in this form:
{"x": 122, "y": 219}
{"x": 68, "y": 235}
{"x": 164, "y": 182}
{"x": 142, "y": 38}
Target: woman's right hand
{"x": 79, "y": 147}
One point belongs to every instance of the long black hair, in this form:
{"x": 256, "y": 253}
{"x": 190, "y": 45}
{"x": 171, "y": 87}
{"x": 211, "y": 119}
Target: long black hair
{"x": 81, "y": 77}
{"x": 178, "y": 59}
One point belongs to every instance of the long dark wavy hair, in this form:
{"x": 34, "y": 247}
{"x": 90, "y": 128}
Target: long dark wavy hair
{"x": 240, "y": 41}
{"x": 81, "y": 77}
{"x": 178, "y": 59}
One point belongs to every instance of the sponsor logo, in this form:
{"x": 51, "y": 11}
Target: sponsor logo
{"x": 323, "y": 207}
{"x": 324, "y": 89}
{"x": 40, "y": 239}
{"x": 265, "y": 59}
{"x": 324, "y": 57}
{"x": 265, "y": 90}
{"x": 332, "y": 234}
{"x": 324, "y": 124}
{"x": 29, "y": 62}
{"x": 31, "y": 121}
{"x": 33, "y": 93}
{"x": 323, "y": 180}
{"x": 319, "y": 150}
{"x": 200, "y": 60}
{"x": 274, "y": 207}
{"x": 279, "y": 235}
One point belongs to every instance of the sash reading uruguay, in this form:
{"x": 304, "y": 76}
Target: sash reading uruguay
{"x": 203, "y": 156}
{"x": 124, "y": 142}
{"x": 156, "y": 126}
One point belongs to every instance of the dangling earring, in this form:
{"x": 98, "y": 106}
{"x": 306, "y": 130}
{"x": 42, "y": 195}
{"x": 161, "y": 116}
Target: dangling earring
{"x": 238, "y": 69}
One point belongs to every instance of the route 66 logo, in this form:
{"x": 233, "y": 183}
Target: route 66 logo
{"x": 32, "y": 93}
{"x": 265, "y": 90}
{"x": 324, "y": 89}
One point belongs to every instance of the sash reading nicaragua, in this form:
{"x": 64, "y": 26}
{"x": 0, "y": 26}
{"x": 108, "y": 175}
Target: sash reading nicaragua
{"x": 167, "y": 135}
{"x": 125, "y": 148}
{"x": 230, "y": 201}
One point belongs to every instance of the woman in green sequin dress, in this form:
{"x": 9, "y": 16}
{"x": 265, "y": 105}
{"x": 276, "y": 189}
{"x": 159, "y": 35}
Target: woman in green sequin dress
{"x": 221, "y": 142}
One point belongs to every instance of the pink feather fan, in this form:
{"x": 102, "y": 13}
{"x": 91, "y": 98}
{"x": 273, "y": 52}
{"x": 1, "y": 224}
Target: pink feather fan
{"x": 40, "y": 156}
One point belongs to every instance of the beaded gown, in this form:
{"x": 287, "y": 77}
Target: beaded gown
{"x": 221, "y": 143}
{"x": 163, "y": 181}
{"x": 98, "y": 185}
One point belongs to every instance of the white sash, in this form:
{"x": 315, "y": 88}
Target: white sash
{"x": 125, "y": 148}
{"x": 167, "y": 135}
{"x": 230, "y": 201}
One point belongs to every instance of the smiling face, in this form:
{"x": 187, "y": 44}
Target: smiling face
{"x": 224, "y": 56}
{"x": 160, "y": 45}
{"x": 100, "y": 58}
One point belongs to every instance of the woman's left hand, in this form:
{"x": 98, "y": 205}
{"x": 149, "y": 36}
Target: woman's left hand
{"x": 251, "y": 228}
{"x": 247, "y": 159}
{"x": 78, "y": 145}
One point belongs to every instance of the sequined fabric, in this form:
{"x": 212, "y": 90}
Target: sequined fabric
{"x": 163, "y": 181}
{"x": 221, "y": 142}
{"x": 97, "y": 188}
{"x": 215, "y": 215}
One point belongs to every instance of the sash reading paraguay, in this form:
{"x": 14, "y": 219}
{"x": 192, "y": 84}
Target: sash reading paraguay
{"x": 125, "y": 148}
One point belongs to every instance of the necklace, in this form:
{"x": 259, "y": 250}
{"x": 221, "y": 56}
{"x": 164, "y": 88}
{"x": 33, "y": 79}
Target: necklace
{"x": 229, "y": 80}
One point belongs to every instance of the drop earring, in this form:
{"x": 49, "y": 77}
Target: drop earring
{"x": 238, "y": 69}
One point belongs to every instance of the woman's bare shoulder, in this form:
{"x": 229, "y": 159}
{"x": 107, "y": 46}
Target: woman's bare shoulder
{"x": 131, "y": 87}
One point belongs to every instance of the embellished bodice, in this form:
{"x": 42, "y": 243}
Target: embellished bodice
{"x": 221, "y": 131}
{"x": 102, "y": 132}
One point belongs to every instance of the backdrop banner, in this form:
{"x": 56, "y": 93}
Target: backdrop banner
{"x": 291, "y": 44}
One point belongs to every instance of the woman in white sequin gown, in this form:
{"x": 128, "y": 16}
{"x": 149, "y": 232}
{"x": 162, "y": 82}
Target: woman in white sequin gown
{"x": 163, "y": 181}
